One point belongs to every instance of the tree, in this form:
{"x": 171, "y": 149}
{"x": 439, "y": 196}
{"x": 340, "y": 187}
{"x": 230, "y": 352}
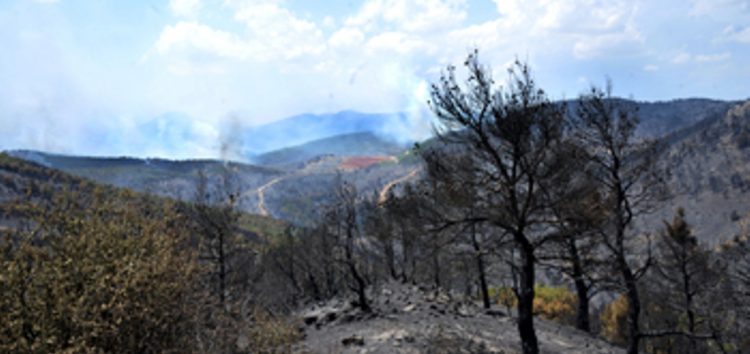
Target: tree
{"x": 446, "y": 197}
{"x": 737, "y": 254}
{"x": 683, "y": 265}
{"x": 577, "y": 252}
{"x": 512, "y": 139}
{"x": 215, "y": 223}
{"x": 407, "y": 215}
{"x": 342, "y": 220}
{"x": 382, "y": 228}
{"x": 629, "y": 184}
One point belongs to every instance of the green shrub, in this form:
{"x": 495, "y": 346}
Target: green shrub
{"x": 614, "y": 320}
{"x": 98, "y": 274}
{"x": 550, "y": 302}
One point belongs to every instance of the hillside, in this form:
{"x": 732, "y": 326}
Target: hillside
{"x": 410, "y": 319}
{"x": 169, "y": 178}
{"x": 407, "y": 318}
{"x": 24, "y": 181}
{"x": 662, "y": 118}
{"x": 293, "y": 193}
{"x": 294, "y": 182}
{"x": 354, "y": 144}
{"x": 710, "y": 176}
{"x": 305, "y": 128}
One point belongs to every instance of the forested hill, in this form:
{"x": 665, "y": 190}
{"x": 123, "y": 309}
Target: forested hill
{"x": 710, "y": 175}
{"x": 23, "y": 181}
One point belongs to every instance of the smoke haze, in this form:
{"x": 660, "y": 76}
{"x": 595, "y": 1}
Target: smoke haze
{"x": 160, "y": 79}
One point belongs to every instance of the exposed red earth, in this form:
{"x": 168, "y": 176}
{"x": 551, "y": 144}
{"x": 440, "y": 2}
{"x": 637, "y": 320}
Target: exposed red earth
{"x": 357, "y": 162}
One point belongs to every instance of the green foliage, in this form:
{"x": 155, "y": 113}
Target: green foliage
{"x": 271, "y": 335}
{"x": 614, "y": 320}
{"x": 503, "y": 296}
{"x": 550, "y": 302}
{"x": 91, "y": 268}
{"x": 555, "y": 303}
{"x": 98, "y": 274}
{"x": 267, "y": 228}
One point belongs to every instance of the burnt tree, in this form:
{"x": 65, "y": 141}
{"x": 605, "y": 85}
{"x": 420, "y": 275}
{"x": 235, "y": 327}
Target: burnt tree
{"x": 630, "y": 184}
{"x": 511, "y": 138}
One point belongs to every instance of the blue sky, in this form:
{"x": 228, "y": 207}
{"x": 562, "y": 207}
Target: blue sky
{"x": 173, "y": 78}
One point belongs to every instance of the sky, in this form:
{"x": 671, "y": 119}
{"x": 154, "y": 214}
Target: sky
{"x": 174, "y": 78}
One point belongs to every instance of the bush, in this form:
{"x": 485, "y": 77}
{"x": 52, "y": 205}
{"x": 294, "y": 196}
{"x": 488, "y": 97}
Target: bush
{"x": 614, "y": 320}
{"x": 269, "y": 334}
{"x": 98, "y": 275}
{"x": 550, "y": 302}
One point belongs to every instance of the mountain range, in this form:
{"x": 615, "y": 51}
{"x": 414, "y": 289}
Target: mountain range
{"x": 305, "y": 128}
{"x": 706, "y": 150}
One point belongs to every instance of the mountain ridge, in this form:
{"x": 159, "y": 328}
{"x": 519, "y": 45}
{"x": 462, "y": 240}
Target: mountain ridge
{"x": 305, "y": 128}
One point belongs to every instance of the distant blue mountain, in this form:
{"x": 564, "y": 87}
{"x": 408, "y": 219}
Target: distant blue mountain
{"x": 352, "y": 144}
{"x": 301, "y": 129}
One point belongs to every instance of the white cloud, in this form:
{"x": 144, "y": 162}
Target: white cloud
{"x": 685, "y": 57}
{"x": 408, "y": 29}
{"x": 741, "y": 35}
{"x": 590, "y": 28}
{"x": 574, "y": 16}
{"x": 185, "y": 8}
{"x": 682, "y": 58}
{"x": 382, "y": 55}
{"x": 709, "y": 58}
{"x": 396, "y": 42}
{"x": 267, "y": 59}
{"x": 409, "y": 16}
{"x": 272, "y": 33}
{"x": 329, "y": 22}
{"x": 192, "y": 36}
{"x": 589, "y": 46}
{"x": 278, "y": 30}
{"x": 346, "y": 37}
{"x": 718, "y": 8}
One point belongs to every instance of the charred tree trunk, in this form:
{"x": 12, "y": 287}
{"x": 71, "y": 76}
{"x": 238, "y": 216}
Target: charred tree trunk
{"x": 483, "y": 283}
{"x": 526, "y": 302}
{"x": 634, "y": 305}
{"x": 582, "y": 314}
{"x": 688, "y": 292}
{"x": 361, "y": 282}
{"x": 222, "y": 269}
{"x": 390, "y": 258}
{"x": 314, "y": 287}
{"x": 360, "y": 288}
{"x": 582, "y": 291}
{"x": 436, "y": 268}
{"x": 480, "y": 269}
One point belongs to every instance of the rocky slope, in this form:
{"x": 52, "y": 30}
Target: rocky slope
{"x": 710, "y": 176}
{"x": 407, "y": 319}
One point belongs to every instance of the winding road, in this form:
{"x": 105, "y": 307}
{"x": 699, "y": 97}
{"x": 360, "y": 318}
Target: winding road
{"x": 260, "y": 191}
{"x": 383, "y": 195}
{"x": 262, "y": 197}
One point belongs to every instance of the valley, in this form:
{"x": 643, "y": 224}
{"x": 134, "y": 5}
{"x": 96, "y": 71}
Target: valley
{"x": 375, "y": 176}
{"x": 287, "y": 199}
{"x": 703, "y": 149}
